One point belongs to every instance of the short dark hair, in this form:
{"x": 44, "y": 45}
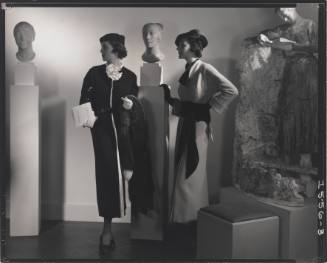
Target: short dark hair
{"x": 117, "y": 42}
{"x": 197, "y": 41}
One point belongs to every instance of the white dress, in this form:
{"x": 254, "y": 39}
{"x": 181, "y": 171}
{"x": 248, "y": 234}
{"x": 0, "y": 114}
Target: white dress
{"x": 205, "y": 85}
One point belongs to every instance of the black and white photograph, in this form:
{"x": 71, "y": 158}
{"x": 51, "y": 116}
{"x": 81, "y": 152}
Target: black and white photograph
{"x": 163, "y": 132}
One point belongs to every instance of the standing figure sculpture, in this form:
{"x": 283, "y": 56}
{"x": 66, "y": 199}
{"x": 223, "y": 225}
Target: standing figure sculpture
{"x": 201, "y": 87}
{"x": 298, "y": 99}
{"x": 152, "y": 36}
{"x": 24, "y": 36}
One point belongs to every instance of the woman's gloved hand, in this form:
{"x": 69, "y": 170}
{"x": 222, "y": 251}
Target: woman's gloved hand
{"x": 127, "y": 103}
{"x": 167, "y": 94}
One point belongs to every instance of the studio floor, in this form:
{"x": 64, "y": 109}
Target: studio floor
{"x": 79, "y": 241}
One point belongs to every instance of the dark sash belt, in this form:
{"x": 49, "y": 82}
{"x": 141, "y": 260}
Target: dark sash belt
{"x": 191, "y": 113}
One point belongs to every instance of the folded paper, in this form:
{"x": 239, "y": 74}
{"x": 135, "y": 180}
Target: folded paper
{"x": 83, "y": 115}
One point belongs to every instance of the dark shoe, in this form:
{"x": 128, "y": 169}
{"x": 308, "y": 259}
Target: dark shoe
{"x": 104, "y": 249}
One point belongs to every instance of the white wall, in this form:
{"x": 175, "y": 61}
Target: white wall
{"x": 67, "y": 46}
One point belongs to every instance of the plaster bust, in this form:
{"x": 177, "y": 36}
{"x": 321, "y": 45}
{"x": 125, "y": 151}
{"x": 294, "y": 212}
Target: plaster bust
{"x": 152, "y": 36}
{"x": 24, "y": 36}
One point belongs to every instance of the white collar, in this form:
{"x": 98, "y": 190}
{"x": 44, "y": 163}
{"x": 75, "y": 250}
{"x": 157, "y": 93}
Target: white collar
{"x": 195, "y": 65}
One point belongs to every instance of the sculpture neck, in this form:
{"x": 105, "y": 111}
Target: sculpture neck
{"x": 25, "y": 55}
{"x": 152, "y": 55}
{"x": 153, "y": 51}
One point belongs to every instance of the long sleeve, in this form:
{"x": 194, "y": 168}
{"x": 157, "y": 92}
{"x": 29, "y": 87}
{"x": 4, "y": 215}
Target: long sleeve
{"x": 135, "y": 88}
{"x": 225, "y": 90}
{"x": 85, "y": 88}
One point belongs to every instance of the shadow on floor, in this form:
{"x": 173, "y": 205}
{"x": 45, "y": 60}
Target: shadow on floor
{"x": 79, "y": 241}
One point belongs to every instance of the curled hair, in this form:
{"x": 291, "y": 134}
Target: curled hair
{"x": 25, "y": 25}
{"x": 196, "y": 40}
{"x": 117, "y": 42}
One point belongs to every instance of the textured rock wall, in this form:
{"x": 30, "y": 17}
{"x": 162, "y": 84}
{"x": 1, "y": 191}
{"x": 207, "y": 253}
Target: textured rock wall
{"x": 256, "y": 124}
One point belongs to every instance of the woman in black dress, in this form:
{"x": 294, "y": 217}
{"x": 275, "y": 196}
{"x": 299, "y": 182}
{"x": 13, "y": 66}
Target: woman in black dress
{"x": 106, "y": 87}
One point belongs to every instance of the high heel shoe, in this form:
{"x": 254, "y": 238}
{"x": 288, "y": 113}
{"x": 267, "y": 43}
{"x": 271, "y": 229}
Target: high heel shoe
{"x": 104, "y": 249}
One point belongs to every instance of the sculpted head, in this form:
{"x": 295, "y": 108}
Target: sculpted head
{"x": 288, "y": 15}
{"x": 24, "y": 36}
{"x": 152, "y": 34}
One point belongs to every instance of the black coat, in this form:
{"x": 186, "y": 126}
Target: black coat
{"x": 111, "y": 134}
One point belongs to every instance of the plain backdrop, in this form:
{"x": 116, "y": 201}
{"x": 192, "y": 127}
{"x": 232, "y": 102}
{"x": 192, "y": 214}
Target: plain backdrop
{"x": 67, "y": 45}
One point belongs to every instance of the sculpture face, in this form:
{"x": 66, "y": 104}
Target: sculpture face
{"x": 287, "y": 14}
{"x": 24, "y": 36}
{"x": 151, "y": 35}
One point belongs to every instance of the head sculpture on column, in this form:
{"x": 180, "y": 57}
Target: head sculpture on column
{"x": 152, "y": 36}
{"x": 24, "y": 36}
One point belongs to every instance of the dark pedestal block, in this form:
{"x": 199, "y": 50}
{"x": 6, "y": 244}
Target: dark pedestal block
{"x": 298, "y": 225}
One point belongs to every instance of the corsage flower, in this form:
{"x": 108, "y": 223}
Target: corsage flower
{"x": 114, "y": 71}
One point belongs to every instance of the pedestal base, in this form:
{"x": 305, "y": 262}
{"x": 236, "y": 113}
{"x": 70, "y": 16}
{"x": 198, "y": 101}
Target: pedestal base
{"x": 147, "y": 227}
{"x": 151, "y": 74}
{"x": 298, "y": 225}
{"x": 24, "y": 161}
{"x": 219, "y": 238}
{"x": 156, "y": 112}
{"x": 25, "y": 74}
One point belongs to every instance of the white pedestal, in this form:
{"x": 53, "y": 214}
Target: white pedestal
{"x": 156, "y": 111}
{"x": 151, "y": 75}
{"x": 24, "y": 156}
{"x": 24, "y": 74}
{"x": 297, "y": 228}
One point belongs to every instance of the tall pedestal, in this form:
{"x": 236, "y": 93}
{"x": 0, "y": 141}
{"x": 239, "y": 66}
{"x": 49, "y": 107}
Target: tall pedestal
{"x": 24, "y": 153}
{"x": 150, "y": 227}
